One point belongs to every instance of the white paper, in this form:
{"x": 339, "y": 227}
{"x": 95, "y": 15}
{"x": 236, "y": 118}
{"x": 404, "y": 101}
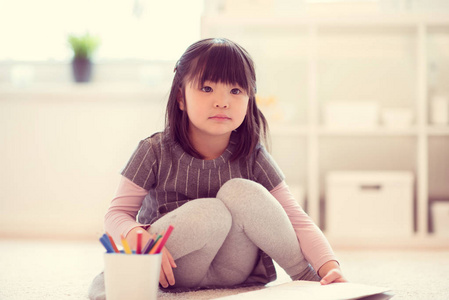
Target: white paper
{"x": 311, "y": 290}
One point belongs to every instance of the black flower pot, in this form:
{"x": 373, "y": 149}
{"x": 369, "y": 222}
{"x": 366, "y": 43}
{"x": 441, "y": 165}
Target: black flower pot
{"x": 82, "y": 69}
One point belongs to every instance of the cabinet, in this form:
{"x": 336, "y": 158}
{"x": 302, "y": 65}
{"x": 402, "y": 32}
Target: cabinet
{"x": 304, "y": 63}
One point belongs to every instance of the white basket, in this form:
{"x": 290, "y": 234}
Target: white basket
{"x": 369, "y": 204}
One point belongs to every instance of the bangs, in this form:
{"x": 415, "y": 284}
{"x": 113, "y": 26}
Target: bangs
{"x": 223, "y": 63}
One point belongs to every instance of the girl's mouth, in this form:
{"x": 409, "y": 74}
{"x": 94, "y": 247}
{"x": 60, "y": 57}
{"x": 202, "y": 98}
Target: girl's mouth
{"x": 220, "y": 117}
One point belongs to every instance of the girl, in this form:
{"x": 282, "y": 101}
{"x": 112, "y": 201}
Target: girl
{"x": 209, "y": 175}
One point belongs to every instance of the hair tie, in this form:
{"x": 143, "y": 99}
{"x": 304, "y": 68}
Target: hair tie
{"x": 176, "y": 67}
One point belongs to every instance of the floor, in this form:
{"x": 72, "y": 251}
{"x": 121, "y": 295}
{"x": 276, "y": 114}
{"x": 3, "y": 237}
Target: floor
{"x": 39, "y": 269}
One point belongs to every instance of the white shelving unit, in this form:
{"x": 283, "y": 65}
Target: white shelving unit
{"x": 295, "y": 52}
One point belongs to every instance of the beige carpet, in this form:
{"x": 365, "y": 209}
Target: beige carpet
{"x": 64, "y": 270}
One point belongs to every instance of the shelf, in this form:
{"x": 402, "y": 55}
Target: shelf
{"x": 303, "y": 131}
{"x": 438, "y": 130}
{"x": 378, "y": 20}
{"x": 384, "y": 57}
{"x": 81, "y": 92}
{"x": 379, "y": 131}
{"x": 288, "y": 130}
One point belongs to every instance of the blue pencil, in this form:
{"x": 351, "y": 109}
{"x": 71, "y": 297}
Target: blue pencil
{"x": 106, "y": 243}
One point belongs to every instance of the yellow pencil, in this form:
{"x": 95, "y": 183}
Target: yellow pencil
{"x": 126, "y": 245}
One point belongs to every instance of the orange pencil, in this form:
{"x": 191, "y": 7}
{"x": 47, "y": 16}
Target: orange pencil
{"x": 156, "y": 242}
{"x": 155, "y": 247}
{"x": 114, "y": 246}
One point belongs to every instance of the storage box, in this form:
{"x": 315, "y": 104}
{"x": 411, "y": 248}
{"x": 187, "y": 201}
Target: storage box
{"x": 351, "y": 115}
{"x": 440, "y": 218}
{"x": 369, "y": 204}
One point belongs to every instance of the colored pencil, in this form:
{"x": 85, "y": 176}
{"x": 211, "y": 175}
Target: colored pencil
{"x": 159, "y": 236}
{"x": 114, "y": 246}
{"x": 125, "y": 245}
{"x": 105, "y": 241}
{"x": 164, "y": 239}
{"x": 139, "y": 242}
{"x": 149, "y": 244}
{"x": 155, "y": 246}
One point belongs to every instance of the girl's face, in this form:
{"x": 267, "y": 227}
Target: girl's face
{"x": 215, "y": 108}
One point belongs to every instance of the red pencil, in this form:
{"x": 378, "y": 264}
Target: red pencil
{"x": 139, "y": 242}
{"x": 164, "y": 239}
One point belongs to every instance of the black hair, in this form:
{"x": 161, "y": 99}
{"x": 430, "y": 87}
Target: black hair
{"x": 216, "y": 60}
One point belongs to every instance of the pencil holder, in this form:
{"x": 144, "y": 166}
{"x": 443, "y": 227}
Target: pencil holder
{"x": 131, "y": 276}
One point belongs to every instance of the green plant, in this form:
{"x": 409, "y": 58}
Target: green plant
{"x": 83, "y": 46}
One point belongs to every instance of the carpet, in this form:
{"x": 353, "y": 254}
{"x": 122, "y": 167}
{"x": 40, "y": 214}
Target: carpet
{"x": 40, "y": 269}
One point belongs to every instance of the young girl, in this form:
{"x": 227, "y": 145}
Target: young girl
{"x": 209, "y": 175}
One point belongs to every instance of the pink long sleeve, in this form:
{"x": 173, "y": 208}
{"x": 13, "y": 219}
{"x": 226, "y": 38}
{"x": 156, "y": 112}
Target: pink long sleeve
{"x": 121, "y": 215}
{"x": 314, "y": 245}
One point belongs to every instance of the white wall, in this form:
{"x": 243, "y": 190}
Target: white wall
{"x": 62, "y": 149}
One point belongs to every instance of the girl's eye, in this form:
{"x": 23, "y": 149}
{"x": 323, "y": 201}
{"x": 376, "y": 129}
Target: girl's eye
{"x": 206, "y": 89}
{"x": 236, "y": 91}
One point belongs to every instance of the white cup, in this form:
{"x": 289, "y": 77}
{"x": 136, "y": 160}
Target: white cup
{"x": 131, "y": 276}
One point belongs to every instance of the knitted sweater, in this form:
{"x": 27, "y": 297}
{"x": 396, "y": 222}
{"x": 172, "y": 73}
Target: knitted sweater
{"x": 173, "y": 177}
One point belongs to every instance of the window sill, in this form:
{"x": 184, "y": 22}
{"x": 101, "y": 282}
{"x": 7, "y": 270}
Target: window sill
{"x": 85, "y": 91}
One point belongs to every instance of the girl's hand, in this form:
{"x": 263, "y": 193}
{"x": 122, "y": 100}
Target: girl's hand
{"x": 332, "y": 276}
{"x": 330, "y": 272}
{"x": 166, "y": 276}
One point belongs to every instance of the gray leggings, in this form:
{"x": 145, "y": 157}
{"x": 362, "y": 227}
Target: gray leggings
{"x": 216, "y": 241}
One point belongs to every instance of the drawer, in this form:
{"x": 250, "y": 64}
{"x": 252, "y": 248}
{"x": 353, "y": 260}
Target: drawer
{"x": 363, "y": 204}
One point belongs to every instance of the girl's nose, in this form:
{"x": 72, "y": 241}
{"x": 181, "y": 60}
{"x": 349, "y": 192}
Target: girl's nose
{"x": 221, "y": 105}
{"x": 222, "y": 99}
{"x": 221, "y": 102}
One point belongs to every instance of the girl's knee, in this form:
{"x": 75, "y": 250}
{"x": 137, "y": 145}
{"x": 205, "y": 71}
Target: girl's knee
{"x": 215, "y": 211}
{"x": 240, "y": 185}
{"x": 247, "y": 198}
{"x": 209, "y": 216}
{"x": 239, "y": 188}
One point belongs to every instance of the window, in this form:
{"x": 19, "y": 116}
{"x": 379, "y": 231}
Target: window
{"x": 129, "y": 29}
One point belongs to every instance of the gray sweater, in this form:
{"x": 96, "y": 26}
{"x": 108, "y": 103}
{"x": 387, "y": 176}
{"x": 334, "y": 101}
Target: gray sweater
{"x": 173, "y": 177}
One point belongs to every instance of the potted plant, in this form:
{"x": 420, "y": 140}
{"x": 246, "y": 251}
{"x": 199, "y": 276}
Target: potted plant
{"x": 83, "y": 48}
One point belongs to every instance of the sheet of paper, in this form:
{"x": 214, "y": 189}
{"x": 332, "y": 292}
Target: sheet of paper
{"x": 311, "y": 291}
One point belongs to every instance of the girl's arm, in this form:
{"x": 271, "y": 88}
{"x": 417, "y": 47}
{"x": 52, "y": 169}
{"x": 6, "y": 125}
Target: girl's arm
{"x": 314, "y": 245}
{"x": 120, "y": 219}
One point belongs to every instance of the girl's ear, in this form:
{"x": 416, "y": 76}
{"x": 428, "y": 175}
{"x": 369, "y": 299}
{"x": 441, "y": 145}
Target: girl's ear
{"x": 180, "y": 99}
